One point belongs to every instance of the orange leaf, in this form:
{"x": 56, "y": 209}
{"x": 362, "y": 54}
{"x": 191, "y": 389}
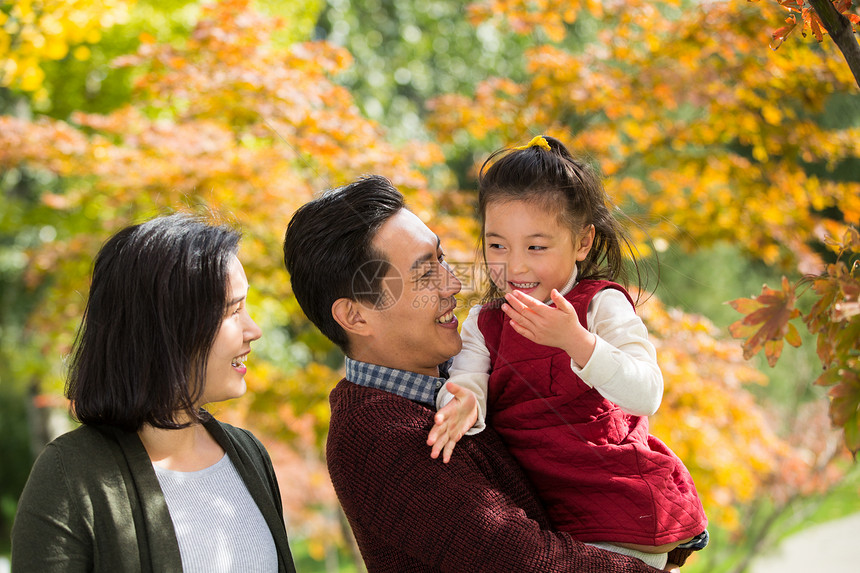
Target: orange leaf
{"x": 767, "y": 326}
{"x": 782, "y": 33}
{"x": 793, "y": 336}
{"x": 745, "y": 305}
{"x": 772, "y": 350}
{"x": 816, "y": 29}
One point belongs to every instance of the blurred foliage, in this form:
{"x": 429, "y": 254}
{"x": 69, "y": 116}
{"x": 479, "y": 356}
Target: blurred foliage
{"x": 407, "y": 51}
{"x": 33, "y": 32}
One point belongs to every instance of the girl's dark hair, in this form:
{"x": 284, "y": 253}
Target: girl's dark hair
{"x": 553, "y": 179}
{"x": 156, "y": 303}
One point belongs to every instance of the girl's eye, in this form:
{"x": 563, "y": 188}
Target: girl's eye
{"x": 537, "y": 248}
{"x": 494, "y": 246}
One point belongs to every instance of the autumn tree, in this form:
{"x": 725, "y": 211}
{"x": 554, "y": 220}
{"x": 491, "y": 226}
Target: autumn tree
{"x": 835, "y": 316}
{"x": 33, "y": 32}
{"x": 820, "y": 17}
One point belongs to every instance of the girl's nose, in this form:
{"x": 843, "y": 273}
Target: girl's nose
{"x": 517, "y": 265}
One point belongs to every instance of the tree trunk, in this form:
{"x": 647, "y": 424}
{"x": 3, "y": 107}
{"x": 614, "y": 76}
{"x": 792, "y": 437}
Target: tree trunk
{"x": 839, "y": 28}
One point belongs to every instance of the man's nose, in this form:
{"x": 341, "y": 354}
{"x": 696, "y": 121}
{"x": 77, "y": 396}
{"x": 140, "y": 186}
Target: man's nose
{"x": 451, "y": 285}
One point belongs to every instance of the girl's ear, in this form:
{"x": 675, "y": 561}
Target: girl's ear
{"x": 347, "y": 313}
{"x": 585, "y": 240}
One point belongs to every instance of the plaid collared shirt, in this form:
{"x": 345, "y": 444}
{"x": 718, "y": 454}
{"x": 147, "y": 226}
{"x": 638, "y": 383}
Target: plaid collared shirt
{"x": 419, "y": 388}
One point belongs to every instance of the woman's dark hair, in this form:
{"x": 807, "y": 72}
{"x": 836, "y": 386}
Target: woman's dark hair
{"x": 329, "y": 254}
{"x": 156, "y": 303}
{"x": 553, "y": 179}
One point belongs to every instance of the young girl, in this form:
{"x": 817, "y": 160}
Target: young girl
{"x": 563, "y": 365}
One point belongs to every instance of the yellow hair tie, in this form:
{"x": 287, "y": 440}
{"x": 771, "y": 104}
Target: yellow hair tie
{"x": 536, "y": 141}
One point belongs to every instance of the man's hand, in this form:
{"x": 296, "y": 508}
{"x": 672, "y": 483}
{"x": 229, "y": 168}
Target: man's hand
{"x": 452, "y": 421}
{"x": 558, "y": 327}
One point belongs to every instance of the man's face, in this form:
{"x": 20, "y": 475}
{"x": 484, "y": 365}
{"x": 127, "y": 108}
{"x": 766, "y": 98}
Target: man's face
{"x": 412, "y": 326}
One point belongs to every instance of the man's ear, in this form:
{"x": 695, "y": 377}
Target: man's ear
{"x": 348, "y": 314}
{"x": 586, "y": 240}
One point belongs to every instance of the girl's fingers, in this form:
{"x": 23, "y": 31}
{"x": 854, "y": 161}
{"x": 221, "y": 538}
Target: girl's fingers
{"x": 560, "y": 302}
{"x": 521, "y": 330}
{"x": 526, "y": 300}
{"x": 515, "y": 302}
{"x": 512, "y": 312}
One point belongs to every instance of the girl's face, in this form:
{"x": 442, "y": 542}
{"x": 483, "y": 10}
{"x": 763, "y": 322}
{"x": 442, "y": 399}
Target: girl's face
{"x": 225, "y": 369}
{"x": 527, "y": 249}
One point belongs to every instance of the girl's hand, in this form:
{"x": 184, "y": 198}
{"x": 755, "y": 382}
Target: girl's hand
{"x": 672, "y": 567}
{"x": 558, "y": 327}
{"x": 452, "y": 421}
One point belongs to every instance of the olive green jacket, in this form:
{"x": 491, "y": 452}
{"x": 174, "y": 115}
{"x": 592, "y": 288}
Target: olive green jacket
{"x": 93, "y": 503}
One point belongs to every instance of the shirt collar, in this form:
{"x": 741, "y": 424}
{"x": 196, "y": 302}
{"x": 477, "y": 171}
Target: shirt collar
{"x": 410, "y": 385}
{"x": 569, "y": 286}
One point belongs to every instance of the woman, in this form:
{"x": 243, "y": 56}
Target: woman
{"x": 151, "y": 481}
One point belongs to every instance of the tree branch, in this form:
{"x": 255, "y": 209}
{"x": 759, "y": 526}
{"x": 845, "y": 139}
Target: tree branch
{"x": 839, "y": 28}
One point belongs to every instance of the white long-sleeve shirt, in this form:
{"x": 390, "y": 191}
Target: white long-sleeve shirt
{"x": 623, "y": 366}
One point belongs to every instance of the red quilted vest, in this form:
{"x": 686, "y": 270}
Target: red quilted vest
{"x": 600, "y": 474}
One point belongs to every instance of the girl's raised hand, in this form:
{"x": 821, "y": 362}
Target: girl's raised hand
{"x": 452, "y": 421}
{"x": 557, "y": 326}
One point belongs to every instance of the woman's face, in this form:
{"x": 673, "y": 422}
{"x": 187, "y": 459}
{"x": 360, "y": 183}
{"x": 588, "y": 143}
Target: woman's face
{"x": 225, "y": 370}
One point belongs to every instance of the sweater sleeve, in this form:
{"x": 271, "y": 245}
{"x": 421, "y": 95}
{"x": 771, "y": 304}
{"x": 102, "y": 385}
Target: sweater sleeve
{"x": 470, "y": 369}
{"x": 623, "y": 367}
{"x": 49, "y": 533}
{"x": 466, "y": 515}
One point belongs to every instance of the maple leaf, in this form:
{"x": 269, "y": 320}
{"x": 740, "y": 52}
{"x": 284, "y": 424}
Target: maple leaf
{"x": 766, "y": 323}
{"x": 779, "y": 35}
{"x": 845, "y": 397}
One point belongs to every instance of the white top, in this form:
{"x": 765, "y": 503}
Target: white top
{"x": 218, "y": 525}
{"x": 623, "y": 367}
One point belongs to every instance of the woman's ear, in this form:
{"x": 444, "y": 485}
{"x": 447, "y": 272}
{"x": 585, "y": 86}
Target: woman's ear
{"x": 586, "y": 240}
{"x": 347, "y": 313}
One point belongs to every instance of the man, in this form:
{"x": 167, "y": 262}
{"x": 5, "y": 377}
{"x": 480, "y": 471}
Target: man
{"x": 372, "y": 277}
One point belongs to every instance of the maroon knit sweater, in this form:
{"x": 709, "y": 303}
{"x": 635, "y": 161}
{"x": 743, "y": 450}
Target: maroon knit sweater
{"x": 411, "y": 513}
